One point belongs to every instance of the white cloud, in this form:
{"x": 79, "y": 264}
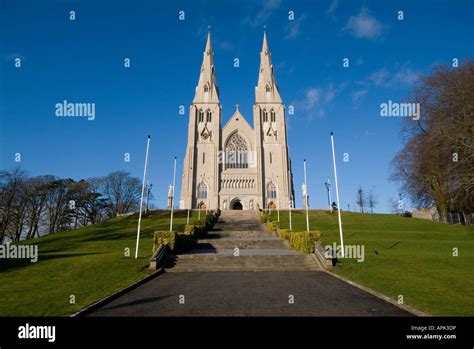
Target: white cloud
{"x": 406, "y": 76}
{"x": 333, "y": 6}
{"x": 380, "y": 77}
{"x": 226, "y": 46}
{"x": 293, "y": 28}
{"x": 359, "y": 94}
{"x": 269, "y": 6}
{"x": 384, "y": 78}
{"x": 311, "y": 97}
{"x": 315, "y": 99}
{"x": 364, "y": 25}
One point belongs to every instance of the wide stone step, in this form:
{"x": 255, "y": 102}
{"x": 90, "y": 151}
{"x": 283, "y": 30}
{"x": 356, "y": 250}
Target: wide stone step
{"x": 231, "y": 252}
{"x": 216, "y": 262}
{"x": 236, "y": 234}
{"x": 239, "y": 243}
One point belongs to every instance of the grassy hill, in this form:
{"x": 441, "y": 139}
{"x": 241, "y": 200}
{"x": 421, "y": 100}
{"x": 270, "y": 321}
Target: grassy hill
{"x": 403, "y": 256}
{"x": 414, "y": 260}
{"x": 88, "y": 263}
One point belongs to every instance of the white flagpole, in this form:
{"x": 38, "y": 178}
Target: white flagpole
{"x": 306, "y": 196}
{"x": 337, "y": 195}
{"x": 187, "y": 220}
{"x": 290, "y": 203}
{"x": 278, "y": 211}
{"x": 172, "y": 196}
{"x": 141, "y": 201}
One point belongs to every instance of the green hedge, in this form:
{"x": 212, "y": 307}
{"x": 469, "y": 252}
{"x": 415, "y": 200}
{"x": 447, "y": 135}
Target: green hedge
{"x": 285, "y": 233}
{"x": 264, "y": 217}
{"x": 176, "y": 242}
{"x": 304, "y": 241}
{"x": 272, "y": 225}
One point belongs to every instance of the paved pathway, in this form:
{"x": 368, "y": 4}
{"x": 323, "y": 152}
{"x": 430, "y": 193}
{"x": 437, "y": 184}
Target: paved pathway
{"x": 266, "y": 279}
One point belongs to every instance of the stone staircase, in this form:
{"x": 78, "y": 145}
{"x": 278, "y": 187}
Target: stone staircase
{"x": 239, "y": 242}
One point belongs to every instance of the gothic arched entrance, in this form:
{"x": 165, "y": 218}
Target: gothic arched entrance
{"x": 202, "y": 206}
{"x": 271, "y": 205}
{"x": 237, "y": 205}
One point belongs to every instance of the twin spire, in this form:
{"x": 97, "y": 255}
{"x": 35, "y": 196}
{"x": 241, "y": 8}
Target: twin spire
{"x": 207, "y": 90}
{"x": 266, "y": 90}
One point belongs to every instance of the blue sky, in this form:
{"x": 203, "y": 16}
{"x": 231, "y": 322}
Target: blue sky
{"x": 82, "y": 61}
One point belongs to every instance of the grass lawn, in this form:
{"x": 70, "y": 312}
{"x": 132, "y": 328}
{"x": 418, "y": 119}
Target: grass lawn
{"x": 415, "y": 257}
{"x": 88, "y": 263}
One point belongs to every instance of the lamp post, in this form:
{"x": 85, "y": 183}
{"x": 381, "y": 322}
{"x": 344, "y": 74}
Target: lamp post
{"x": 327, "y": 184}
{"x": 148, "y": 191}
{"x": 400, "y": 203}
{"x": 306, "y": 196}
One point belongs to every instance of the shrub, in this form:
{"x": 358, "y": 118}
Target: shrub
{"x": 285, "y": 233}
{"x": 264, "y": 217}
{"x": 176, "y": 242}
{"x": 189, "y": 228}
{"x": 272, "y": 225}
{"x": 304, "y": 241}
{"x": 167, "y": 238}
{"x": 210, "y": 220}
{"x": 184, "y": 242}
{"x": 199, "y": 232}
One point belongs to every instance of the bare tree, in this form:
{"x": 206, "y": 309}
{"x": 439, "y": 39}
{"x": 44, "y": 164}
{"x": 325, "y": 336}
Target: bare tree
{"x": 436, "y": 164}
{"x": 12, "y": 204}
{"x": 361, "y": 199}
{"x": 372, "y": 200}
{"x": 122, "y": 192}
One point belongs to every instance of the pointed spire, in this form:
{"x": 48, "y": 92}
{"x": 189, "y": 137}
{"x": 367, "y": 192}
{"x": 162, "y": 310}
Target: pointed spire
{"x": 267, "y": 89}
{"x": 207, "y": 90}
{"x": 208, "y": 42}
{"x": 265, "y": 43}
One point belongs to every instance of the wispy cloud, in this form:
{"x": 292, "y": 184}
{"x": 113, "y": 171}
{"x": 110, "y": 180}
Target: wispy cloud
{"x": 359, "y": 94}
{"x": 364, "y": 26}
{"x": 226, "y": 45}
{"x": 333, "y": 6}
{"x": 383, "y": 78}
{"x": 293, "y": 28}
{"x": 315, "y": 100}
{"x": 402, "y": 76}
{"x": 262, "y": 16}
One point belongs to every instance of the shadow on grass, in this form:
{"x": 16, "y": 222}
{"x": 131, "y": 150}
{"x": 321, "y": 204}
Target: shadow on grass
{"x": 9, "y": 264}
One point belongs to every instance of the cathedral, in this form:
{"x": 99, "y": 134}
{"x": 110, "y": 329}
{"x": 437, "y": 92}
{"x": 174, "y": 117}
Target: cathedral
{"x": 239, "y": 166}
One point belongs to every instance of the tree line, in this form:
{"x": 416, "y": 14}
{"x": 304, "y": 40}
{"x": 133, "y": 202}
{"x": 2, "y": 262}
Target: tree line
{"x": 436, "y": 164}
{"x": 34, "y": 206}
{"x": 366, "y": 201}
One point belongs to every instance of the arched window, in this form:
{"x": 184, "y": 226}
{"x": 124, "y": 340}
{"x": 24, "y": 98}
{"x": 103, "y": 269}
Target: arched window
{"x": 201, "y": 115}
{"x": 202, "y": 191}
{"x": 272, "y": 116}
{"x": 271, "y": 191}
{"x": 208, "y": 116}
{"x": 268, "y": 88}
{"x": 265, "y": 115}
{"x": 206, "y": 88}
{"x": 236, "y": 152}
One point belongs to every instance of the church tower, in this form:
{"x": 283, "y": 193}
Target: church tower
{"x": 275, "y": 182}
{"x": 201, "y": 170}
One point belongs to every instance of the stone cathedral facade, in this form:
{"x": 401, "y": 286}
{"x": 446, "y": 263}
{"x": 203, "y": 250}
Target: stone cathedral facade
{"x": 239, "y": 166}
